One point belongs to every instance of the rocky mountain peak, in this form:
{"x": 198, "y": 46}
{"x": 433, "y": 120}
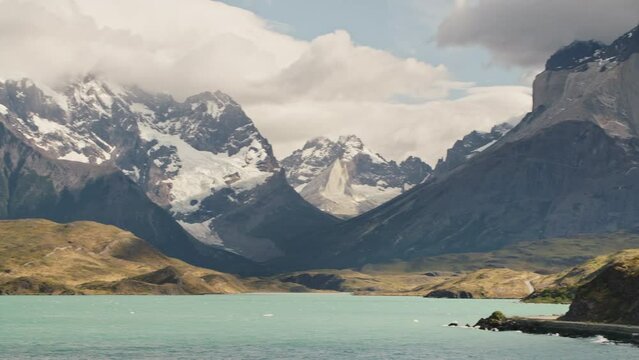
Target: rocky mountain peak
{"x": 24, "y": 98}
{"x": 350, "y": 141}
{"x": 573, "y": 55}
{"x": 579, "y": 53}
{"x": 214, "y": 102}
{"x": 588, "y": 81}
{"x": 345, "y": 177}
{"x": 470, "y": 145}
{"x": 318, "y": 142}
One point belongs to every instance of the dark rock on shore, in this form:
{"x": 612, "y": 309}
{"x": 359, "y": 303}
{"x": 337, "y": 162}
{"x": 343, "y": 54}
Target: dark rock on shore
{"x": 496, "y": 320}
{"x": 29, "y": 285}
{"x": 614, "y": 332}
{"x": 449, "y": 294}
{"x": 166, "y": 275}
{"x": 317, "y": 281}
{"x": 432, "y": 274}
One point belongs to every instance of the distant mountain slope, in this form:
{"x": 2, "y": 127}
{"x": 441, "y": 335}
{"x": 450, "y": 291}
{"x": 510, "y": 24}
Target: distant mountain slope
{"x": 201, "y": 159}
{"x": 569, "y": 167}
{"x": 40, "y": 256}
{"x": 469, "y": 146}
{"x": 345, "y": 178}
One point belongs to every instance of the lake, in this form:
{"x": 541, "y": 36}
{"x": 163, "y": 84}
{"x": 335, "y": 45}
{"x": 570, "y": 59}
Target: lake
{"x": 276, "y": 326}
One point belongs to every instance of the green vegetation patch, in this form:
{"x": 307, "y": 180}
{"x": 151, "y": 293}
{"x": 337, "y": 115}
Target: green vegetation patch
{"x": 561, "y": 295}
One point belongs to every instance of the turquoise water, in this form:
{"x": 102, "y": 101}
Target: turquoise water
{"x": 275, "y": 326}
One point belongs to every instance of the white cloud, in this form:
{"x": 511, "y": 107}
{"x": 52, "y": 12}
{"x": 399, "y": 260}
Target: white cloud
{"x": 292, "y": 89}
{"x": 394, "y": 130}
{"x": 527, "y": 32}
{"x": 333, "y": 68}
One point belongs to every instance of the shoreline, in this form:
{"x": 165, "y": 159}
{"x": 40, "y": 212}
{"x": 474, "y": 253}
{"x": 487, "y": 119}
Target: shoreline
{"x": 614, "y": 332}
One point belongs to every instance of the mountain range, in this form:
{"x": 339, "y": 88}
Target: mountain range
{"x": 202, "y": 160}
{"x": 197, "y": 180}
{"x": 569, "y": 167}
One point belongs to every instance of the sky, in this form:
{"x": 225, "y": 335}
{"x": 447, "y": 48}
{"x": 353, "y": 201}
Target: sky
{"x": 409, "y": 77}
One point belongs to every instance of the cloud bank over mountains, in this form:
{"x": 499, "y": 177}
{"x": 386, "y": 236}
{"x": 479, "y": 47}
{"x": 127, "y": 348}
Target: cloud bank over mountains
{"x": 526, "y": 32}
{"x": 292, "y": 89}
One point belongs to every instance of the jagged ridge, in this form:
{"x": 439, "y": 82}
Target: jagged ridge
{"x": 202, "y": 159}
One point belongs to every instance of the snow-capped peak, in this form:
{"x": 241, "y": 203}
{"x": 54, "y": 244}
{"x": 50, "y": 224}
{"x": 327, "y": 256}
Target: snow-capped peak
{"x": 345, "y": 177}
{"x": 352, "y": 146}
{"x": 186, "y": 155}
{"x": 94, "y": 95}
{"x": 213, "y": 104}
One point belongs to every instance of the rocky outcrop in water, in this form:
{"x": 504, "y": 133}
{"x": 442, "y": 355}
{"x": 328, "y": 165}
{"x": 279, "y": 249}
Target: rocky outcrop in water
{"x": 449, "y": 294}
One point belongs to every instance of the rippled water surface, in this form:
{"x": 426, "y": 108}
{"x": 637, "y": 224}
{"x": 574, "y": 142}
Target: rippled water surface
{"x": 276, "y": 326}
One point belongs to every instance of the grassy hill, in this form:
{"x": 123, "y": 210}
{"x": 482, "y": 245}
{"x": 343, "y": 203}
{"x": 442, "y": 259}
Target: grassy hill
{"x": 41, "y": 256}
{"x": 562, "y": 287}
{"x": 609, "y": 293}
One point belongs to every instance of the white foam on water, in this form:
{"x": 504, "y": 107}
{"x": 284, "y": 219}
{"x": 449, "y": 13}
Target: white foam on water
{"x": 600, "y": 339}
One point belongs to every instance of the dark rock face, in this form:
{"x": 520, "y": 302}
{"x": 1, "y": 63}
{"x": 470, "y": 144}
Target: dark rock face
{"x": 611, "y": 297}
{"x": 432, "y": 274}
{"x": 449, "y": 294}
{"x": 317, "y": 281}
{"x": 579, "y": 53}
{"x": 167, "y": 275}
{"x": 573, "y": 55}
{"x": 414, "y": 170}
